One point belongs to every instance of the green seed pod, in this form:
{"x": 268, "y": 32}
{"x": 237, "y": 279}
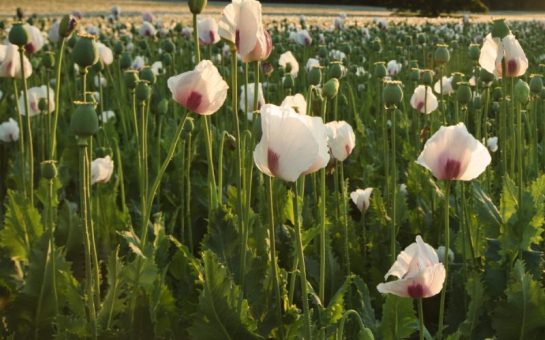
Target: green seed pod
{"x": 457, "y": 77}
{"x": 67, "y": 25}
{"x": 142, "y": 91}
{"x": 474, "y": 52}
{"x": 335, "y": 70}
{"x": 500, "y": 29}
{"x": 427, "y": 77}
{"x": 131, "y": 78}
{"x": 536, "y": 84}
{"x": 392, "y": 93}
{"x": 71, "y": 42}
{"x": 288, "y": 82}
{"x": 522, "y": 92}
{"x": 168, "y": 45}
{"x": 322, "y": 52}
{"x": 84, "y": 121}
{"x": 166, "y": 59}
{"x": 477, "y": 102}
{"x": 413, "y": 64}
{"x": 18, "y": 35}
{"x": 48, "y": 169}
{"x": 189, "y": 126}
{"x": 85, "y": 51}
{"x": 463, "y": 93}
{"x": 497, "y": 93}
{"x": 162, "y": 107}
{"x": 421, "y": 38}
{"x": 146, "y": 73}
{"x": 48, "y": 60}
{"x": 196, "y": 6}
{"x": 125, "y": 61}
{"x": 542, "y": 94}
{"x": 380, "y": 70}
{"x": 486, "y": 77}
{"x": 441, "y": 54}
{"x": 415, "y": 74}
{"x": 331, "y": 88}
{"x": 315, "y": 76}
{"x": 118, "y": 48}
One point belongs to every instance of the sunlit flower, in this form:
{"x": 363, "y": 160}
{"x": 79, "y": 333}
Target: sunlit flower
{"x": 104, "y": 53}
{"x": 303, "y": 38}
{"x": 361, "y": 197}
{"x": 138, "y": 63}
{"x": 148, "y": 17}
{"x": 423, "y": 99}
{"x": 452, "y": 153}
{"x": 53, "y": 33}
{"x": 147, "y": 29}
{"x": 288, "y": 58}
{"x": 296, "y": 102}
{"x": 447, "y": 86}
{"x": 492, "y": 144}
{"x": 202, "y": 90}
{"x": 311, "y": 63}
{"x": 9, "y": 131}
{"x": 337, "y": 55}
{"x": 508, "y": 49}
{"x": 208, "y": 31}
{"x": 35, "y": 94}
{"x": 341, "y": 139}
{"x": 157, "y": 68}
{"x": 249, "y": 105}
{"x": 102, "y": 170}
{"x": 106, "y": 116}
{"x": 393, "y": 67}
{"x": 419, "y": 272}
{"x": 262, "y": 50}
{"x": 291, "y": 144}
{"x": 241, "y": 24}
{"x": 339, "y": 23}
{"x": 10, "y": 64}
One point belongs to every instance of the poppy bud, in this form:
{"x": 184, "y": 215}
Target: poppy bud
{"x": 166, "y": 59}
{"x": 118, "y": 47}
{"x": 315, "y": 76}
{"x": 18, "y": 35}
{"x": 427, "y": 77}
{"x": 442, "y": 54}
{"x": 380, "y": 70}
{"x": 84, "y": 121}
{"x": 392, "y": 94}
{"x": 146, "y": 73}
{"x": 143, "y": 90}
{"x": 421, "y": 38}
{"x": 162, "y": 106}
{"x": 486, "y": 77}
{"x": 463, "y": 93}
{"x": 415, "y": 74}
{"x": 500, "y": 29}
{"x": 131, "y": 78}
{"x": 331, "y": 88}
{"x": 536, "y": 84}
{"x": 67, "y": 25}
{"x": 125, "y": 61}
{"x": 189, "y": 126}
{"x": 322, "y": 52}
{"x": 19, "y": 13}
{"x": 335, "y": 70}
{"x": 85, "y": 51}
{"x": 48, "y": 169}
{"x": 288, "y": 82}
{"x": 196, "y": 6}
{"x": 522, "y": 92}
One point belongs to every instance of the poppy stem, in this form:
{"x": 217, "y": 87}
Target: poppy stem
{"x": 256, "y": 86}
{"x": 196, "y": 40}
{"x": 21, "y": 137}
{"x": 445, "y": 259}
{"x": 30, "y": 150}
{"x": 394, "y": 185}
{"x": 421, "y": 318}
{"x": 58, "y": 65}
{"x": 301, "y": 258}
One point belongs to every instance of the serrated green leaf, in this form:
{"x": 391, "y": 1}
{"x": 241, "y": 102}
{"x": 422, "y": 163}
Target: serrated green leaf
{"x": 398, "y": 316}
{"x": 222, "y": 312}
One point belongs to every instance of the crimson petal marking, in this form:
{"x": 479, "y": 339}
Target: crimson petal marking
{"x": 273, "y": 161}
{"x": 415, "y": 291}
{"x": 193, "y": 101}
{"x": 237, "y": 39}
{"x": 512, "y": 67}
{"x": 451, "y": 169}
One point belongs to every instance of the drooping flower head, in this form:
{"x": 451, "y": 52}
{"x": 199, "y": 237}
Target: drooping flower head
{"x": 102, "y": 170}
{"x": 202, "y": 90}
{"x": 291, "y": 144}
{"x": 452, "y": 153}
{"x": 9, "y": 131}
{"x": 419, "y": 272}
{"x": 361, "y": 197}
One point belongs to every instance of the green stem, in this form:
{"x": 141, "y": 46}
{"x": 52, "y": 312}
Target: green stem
{"x": 394, "y": 187}
{"x": 58, "y": 65}
{"x": 302, "y": 268}
{"x": 343, "y": 321}
{"x": 446, "y": 261}
{"x": 196, "y": 40}
{"x": 421, "y": 318}
{"x": 21, "y": 137}
{"x": 30, "y": 154}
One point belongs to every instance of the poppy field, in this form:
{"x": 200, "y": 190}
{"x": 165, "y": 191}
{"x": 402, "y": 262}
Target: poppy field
{"x": 237, "y": 176}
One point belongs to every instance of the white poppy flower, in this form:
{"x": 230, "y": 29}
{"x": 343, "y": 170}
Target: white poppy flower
{"x": 303, "y": 38}
{"x": 101, "y": 170}
{"x": 241, "y": 24}
{"x": 202, "y": 90}
{"x": 249, "y": 106}
{"x": 288, "y": 58}
{"x": 492, "y": 144}
{"x": 106, "y": 116}
{"x": 291, "y": 144}
{"x": 447, "y": 86}
{"x": 495, "y": 50}
{"x": 393, "y": 67}
{"x": 147, "y": 29}
{"x": 419, "y": 272}
{"x": 312, "y": 63}
{"x": 297, "y": 102}
{"x": 452, "y": 153}
{"x": 157, "y": 68}
{"x": 361, "y": 197}
{"x": 104, "y": 53}
{"x": 341, "y": 139}
{"x": 9, "y": 131}
{"x": 10, "y": 63}
{"x": 423, "y": 100}
{"x": 35, "y": 94}
{"x": 207, "y": 29}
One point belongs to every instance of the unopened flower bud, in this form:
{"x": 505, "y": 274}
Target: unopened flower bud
{"x": 196, "y": 6}
{"x": 162, "y": 106}
{"x": 427, "y": 77}
{"x": 536, "y": 84}
{"x": 331, "y": 88}
{"x": 67, "y": 25}
{"x": 335, "y": 70}
{"x": 168, "y": 45}
{"x": 125, "y": 61}
{"x": 315, "y": 76}
{"x": 146, "y": 73}
{"x": 48, "y": 169}
{"x": 380, "y": 70}
{"x": 522, "y": 92}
